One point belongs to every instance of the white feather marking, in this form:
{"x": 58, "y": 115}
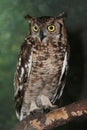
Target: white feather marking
{"x": 17, "y": 115}
{"x": 61, "y": 90}
{"x": 19, "y": 63}
{"x": 58, "y": 36}
{"x": 30, "y": 64}
{"x": 17, "y": 67}
{"x": 22, "y": 71}
{"x": 25, "y": 38}
{"x": 19, "y": 59}
{"x": 28, "y": 42}
{"x": 64, "y": 65}
{"x": 16, "y": 91}
{"x": 63, "y": 70}
{"x": 21, "y": 86}
{"x": 25, "y": 65}
{"x": 21, "y": 116}
{"x": 19, "y": 79}
{"x": 14, "y": 84}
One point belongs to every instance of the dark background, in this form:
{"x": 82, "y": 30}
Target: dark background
{"x": 13, "y": 29}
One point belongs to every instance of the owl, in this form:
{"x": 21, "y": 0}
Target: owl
{"x": 42, "y": 65}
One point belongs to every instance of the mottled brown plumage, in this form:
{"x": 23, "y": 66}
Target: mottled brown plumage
{"x": 42, "y": 65}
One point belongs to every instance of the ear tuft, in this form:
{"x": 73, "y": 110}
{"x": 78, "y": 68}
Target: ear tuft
{"x": 62, "y": 15}
{"x": 28, "y": 17}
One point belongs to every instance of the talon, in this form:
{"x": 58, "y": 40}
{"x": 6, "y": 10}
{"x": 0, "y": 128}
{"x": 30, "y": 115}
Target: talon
{"x": 46, "y": 109}
{"x": 36, "y": 111}
{"x": 33, "y": 112}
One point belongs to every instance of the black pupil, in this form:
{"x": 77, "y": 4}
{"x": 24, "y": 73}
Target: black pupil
{"x": 51, "y": 27}
{"x": 35, "y": 28}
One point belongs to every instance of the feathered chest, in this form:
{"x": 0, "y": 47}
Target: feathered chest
{"x": 47, "y": 59}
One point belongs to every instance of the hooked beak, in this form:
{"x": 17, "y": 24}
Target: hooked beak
{"x": 41, "y": 35}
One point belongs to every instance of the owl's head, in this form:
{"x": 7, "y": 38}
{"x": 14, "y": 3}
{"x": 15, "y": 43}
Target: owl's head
{"x": 46, "y": 26}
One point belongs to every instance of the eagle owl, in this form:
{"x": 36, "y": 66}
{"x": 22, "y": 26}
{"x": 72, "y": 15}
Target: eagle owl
{"x": 42, "y": 65}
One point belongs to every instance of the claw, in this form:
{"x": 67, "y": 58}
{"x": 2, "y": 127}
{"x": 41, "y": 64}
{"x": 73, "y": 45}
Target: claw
{"x": 46, "y": 110}
{"x": 34, "y": 112}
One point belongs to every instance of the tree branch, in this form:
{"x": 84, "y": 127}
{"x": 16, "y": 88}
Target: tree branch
{"x": 54, "y": 118}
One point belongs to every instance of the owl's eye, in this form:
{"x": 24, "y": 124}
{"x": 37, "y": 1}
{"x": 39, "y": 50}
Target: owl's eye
{"x": 51, "y": 28}
{"x": 35, "y": 28}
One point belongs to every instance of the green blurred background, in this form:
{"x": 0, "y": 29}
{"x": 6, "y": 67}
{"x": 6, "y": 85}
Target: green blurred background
{"x": 13, "y": 29}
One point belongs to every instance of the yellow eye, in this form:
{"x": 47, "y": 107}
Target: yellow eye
{"x": 51, "y": 28}
{"x": 35, "y": 28}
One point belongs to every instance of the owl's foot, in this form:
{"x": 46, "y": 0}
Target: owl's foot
{"x": 34, "y": 112}
{"x": 34, "y": 108}
{"x": 46, "y": 104}
{"x": 47, "y": 109}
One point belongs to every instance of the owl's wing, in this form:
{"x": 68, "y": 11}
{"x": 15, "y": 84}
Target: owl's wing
{"x": 62, "y": 79}
{"x": 21, "y": 75}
